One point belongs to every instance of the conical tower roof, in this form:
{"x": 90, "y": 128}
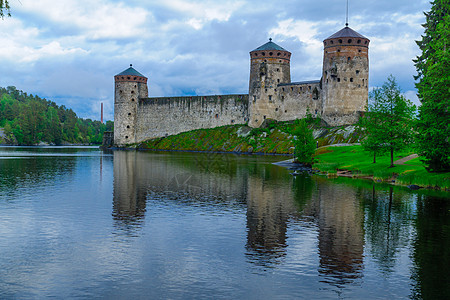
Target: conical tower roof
{"x": 130, "y": 72}
{"x": 346, "y": 32}
{"x": 270, "y": 46}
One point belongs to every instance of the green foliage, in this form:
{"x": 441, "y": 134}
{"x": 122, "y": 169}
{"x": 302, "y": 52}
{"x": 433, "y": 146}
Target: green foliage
{"x": 4, "y": 7}
{"x": 388, "y": 120}
{"x": 304, "y": 142}
{"x": 29, "y": 120}
{"x": 433, "y": 67}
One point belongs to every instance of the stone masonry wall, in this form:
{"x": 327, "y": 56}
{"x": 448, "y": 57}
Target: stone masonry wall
{"x": 293, "y": 100}
{"x": 159, "y": 117}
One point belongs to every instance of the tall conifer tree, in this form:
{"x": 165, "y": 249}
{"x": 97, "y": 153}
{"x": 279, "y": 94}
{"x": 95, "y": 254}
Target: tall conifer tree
{"x": 433, "y": 75}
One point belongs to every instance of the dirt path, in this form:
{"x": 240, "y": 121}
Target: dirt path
{"x": 402, "y": 161}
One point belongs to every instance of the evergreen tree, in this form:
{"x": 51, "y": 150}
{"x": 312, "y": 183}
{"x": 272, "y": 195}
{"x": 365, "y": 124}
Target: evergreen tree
{"x": 388, "y": 121}
{"x": 304, "y": 143}
{"x": 433, "y": 65}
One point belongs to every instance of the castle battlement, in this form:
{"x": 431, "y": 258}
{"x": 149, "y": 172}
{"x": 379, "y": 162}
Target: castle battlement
{"x": 338, "y": 97}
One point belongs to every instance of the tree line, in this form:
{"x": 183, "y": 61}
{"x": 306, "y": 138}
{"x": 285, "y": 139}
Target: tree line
{"x": 29, "y": 120}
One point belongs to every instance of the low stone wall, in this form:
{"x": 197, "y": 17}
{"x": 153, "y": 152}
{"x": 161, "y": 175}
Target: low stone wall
{"x": 159, "y": 117}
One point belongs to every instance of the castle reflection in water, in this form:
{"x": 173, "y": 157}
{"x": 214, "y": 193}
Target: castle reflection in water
{"x": 272, "y": 199}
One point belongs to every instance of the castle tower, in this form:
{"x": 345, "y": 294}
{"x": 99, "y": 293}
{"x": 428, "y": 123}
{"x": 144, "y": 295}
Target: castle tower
{"x": 269, "y": 66}
{"x": 345, "y": 77}
{"x": 130, "y": 85}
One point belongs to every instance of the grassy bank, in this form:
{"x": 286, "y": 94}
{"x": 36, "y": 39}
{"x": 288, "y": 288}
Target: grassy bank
{"x": 275, "y": 138}
{"x": 334, "y": 160}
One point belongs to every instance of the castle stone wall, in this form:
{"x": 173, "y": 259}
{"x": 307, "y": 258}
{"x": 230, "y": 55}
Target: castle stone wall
{"x": 295, "y": 99}
{"x": 159, "y": 117}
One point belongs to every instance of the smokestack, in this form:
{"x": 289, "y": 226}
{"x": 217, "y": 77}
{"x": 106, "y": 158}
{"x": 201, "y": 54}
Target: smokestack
{"x": 102, "y": 114}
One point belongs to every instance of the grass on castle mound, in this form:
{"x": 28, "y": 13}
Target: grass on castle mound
{"x": 359, "y": 162}
{"x": 275, "y": 138}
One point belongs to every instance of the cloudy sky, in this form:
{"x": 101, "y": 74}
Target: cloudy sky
{"x": 69, "y": 50}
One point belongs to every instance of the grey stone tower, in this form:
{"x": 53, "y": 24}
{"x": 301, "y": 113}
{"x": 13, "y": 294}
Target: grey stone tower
{"x": 130, "y": 86}
{"x": 269, "y": 66}
{"x": 345, "y": 76}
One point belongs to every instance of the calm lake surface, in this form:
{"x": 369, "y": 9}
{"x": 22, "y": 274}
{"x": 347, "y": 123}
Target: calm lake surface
{"x": 81, "y": 223}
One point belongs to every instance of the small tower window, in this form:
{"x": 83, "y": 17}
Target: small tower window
{"x": 350, "y": 41}
{"x": 339, "y": 50}
{"x": 134, "y": 78}
{"x": 263, "y": 54}
{"x": 359, "y": 41}
{"x": 357, "y": 72}
{"x": 359, "y": 50}
{"x": 339, "y": 80}
{"x": 340, "y": 41}
{"x": 331, "y": 42}
{"x": 128, "y": 126}
{"x": 282, "y": 89}
{"x": 349, "y": 58}
{"x": 270, "y": 97}
{"x": 278, "y": 54}
{"x": 365, "y": 42}
{"x": 128, "y": 77}
{"x": 130, "y": 113}
{"x": 278, "y": 70}
{"x": 292, "y": 88}
{"x": 254, "y": 98}
{"x": 132, "y": 99}
{"x": 351, "y": 79}
{"x": 132, "y": 92}
{"x": 256, "y": 54}
{"x": 217, "y": 115}
{"x": 276, "y": 109}
{"x": 126, "y": 136}
{"x": 264, "y": 117}
{"x": 270, "y": 53}
{"x": 121, "y": 91}
{"x": 278, "y": 80}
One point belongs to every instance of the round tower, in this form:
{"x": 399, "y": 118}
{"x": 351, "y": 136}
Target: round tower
{"x": 345, "y": 77}
{"x": 269, "y": 66}
{"x": 130, "y": 85}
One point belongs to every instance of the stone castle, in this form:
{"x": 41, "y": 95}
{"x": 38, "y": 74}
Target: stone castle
{"x": 339, "y": 97}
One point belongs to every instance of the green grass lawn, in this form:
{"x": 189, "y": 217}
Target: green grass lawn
{"x": 353, "y": 158}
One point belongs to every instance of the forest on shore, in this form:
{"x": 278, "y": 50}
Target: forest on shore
{"x": 27, "y": 119}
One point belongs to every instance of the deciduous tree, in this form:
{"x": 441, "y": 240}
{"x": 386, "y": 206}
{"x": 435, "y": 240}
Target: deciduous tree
{"x": 304, "y": 143}
{"x": 4, "y": 8}
{"x": 388, "y": 121}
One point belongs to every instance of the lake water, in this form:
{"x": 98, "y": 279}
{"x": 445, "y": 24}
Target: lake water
{"x": 80, "y": 223}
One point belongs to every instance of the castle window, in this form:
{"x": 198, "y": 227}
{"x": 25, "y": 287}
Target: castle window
{"x": 134, "y": 78}
{"x": 350, "y": 41}
{"x": 132, "y": 99}
{"x": 129, "y": 114}
{"x": 128, "y": 77}
{"x": 309, "y": 87}
{"x": 315, "y": 111}
{"x": 265, "y": 60}
{"x": 263, "y": 54}
{"x": 325, "y": 43}
{"x": 278, "y": 54}
{"x": 276, "y": 109}
{"x": 282, "y": 97}
{"x": 270, "y": 97}
{"x": 351, "y": 79}
{"x": 285, "y": 111}
{"x": 282, "y": 89}
{"x": 292, "y": 88}
{"x": 135, "y": 85}
{"x": 254, "y": 98}
{"x": 339, "y": 50}
{"x": 266, "y": 90}
{"x": 280, "y": 60}
{"x": 359, "y": 41}
{"x": 357, "y": 72}
{"x": 217, "y": 115}
{"x": 278, "y": 70}
{"x": 340, "y": 41}
{"x": 256, "y": 54}
{"x": 301, "y": 89}
{"x": 339, "y": 80}
{"x": 331, "y": 42}
{"x": 126, "y": 136}
{"x": 121, "y": 91}
{"x": 275, "y": 90}
{"x": 348, "y": 58}
{"x": 363, "y": 82}
{"x": 123, "y": 77}
{"x": 270, "y": 53}
{"x": 128, "y": 126}
{"x": 278, "y": 80}
{"x": 264, "y": 117}
{"x": 232, "y": 121}
{"x": 132, "y": 92}
{"x": 359, "y": 50}
{"x": 365, "y": 42}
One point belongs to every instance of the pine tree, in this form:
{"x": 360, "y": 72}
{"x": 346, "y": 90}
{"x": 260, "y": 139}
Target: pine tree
{"x": 433, "y": 66}
{"x": 304, "y": 143}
